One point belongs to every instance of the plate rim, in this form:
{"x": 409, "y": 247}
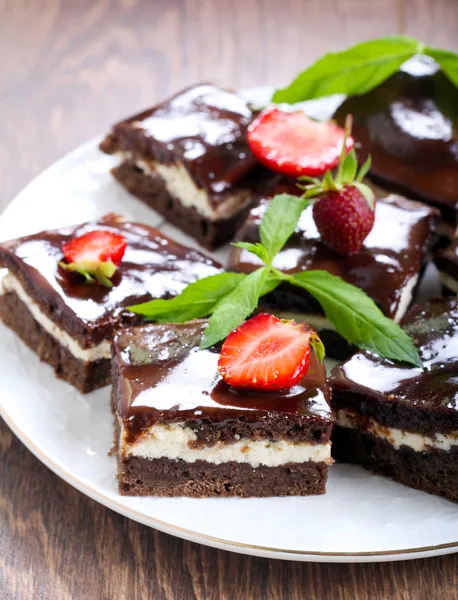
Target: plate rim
{"x": 221, "y": 543}
{"x": 189, "y": 534}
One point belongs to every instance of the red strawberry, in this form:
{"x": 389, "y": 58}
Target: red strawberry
{"x": 295, "y": 145}
{"x": 344, "y": 207}
{"x": 265, "y": 353}
{"x": 343, "y": 218}
{"x": 95, "y": 255}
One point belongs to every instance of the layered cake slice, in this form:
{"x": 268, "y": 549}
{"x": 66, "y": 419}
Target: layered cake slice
{"x": 446, "y": 262}
{"x": 188, "y": 159}
{"x": 408, "y": 124}
{"x": 183, "y": 431}
{"x": 403, "y": 422}
{"x": 388, "y": 267}
{"x": 68, "y": 317}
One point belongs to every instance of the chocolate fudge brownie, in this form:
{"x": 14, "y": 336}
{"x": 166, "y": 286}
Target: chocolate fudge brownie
{"x": 188, "y": 159}
{"x": 400, "y": 421}
{"x": 70, "y": 323}
{"x": 387, "y": 268}
{"x": 409, "y": 125}
{"x": 182, "y": 431}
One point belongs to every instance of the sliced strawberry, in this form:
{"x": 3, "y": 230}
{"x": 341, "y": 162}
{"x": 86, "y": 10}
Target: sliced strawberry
{"x": 95, "y": 246}
{"x": 95, "y": 255}
{"x": 295, "y": 145}
{"x": 265, "y": 353}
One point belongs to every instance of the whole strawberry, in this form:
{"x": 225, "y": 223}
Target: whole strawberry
{"x": 344, "y": 218}
{"x": 344, "y": 207}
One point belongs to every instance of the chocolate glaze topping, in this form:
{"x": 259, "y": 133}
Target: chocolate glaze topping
{"x": 202, "y": 127}
{"x": 393, "y": 253}
{"x": 417, "y": 399}
{"x": 153, "y": 266}
{"x": 409, "y": 125}
{"x": 162, "y": 377}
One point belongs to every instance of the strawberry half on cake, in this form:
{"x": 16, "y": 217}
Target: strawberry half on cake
{"x": 250, "y": 420}
{"x": 65, "y": 292}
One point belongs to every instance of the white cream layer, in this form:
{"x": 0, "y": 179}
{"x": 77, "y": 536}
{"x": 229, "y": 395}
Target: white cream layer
{"x": 9, "y": 283}
{"x": 397, "y": 437}
{"x": 180, "y": 185}
{"x": 406, "y": 298}
{"x": 173, "y": 442}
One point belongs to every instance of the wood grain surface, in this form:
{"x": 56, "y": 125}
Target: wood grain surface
{"x": 68, "y": 70}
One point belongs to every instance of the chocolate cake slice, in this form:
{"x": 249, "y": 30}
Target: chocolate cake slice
{"x": 388, "y": 267}
{"x": 188, "y": 159}
{"x": 70, "y": 323}
{"x": 399, "y": 421}
{"x": 182, "y": 431}
{"x": 409, "y": 126}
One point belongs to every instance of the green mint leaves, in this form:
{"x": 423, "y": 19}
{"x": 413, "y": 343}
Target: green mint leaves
{"x": 279, "y": 222}
{"x": 197, "y": 300}
{"x": 102, "y": 272}
{"x": 356, "y": 317}
{"x": 361, "y": 68}
{"x": 235, "y": 308}
{"x": 232, "y": 297}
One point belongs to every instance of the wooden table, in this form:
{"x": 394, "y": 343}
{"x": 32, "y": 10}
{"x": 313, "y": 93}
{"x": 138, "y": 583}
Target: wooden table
{"x": 67, "y": 71}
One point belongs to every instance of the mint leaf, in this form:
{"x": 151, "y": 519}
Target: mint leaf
{"x": 257, "y": 249}
{"x": 354, "y": 71}
{"x": 447, "y": 60}
{"x": 272, "y": 282}
{"x": 280, "y": 221}
{"x": 197, "y": 300}
{"x": 235, "y": 308}
{"x": 356, "y": 317}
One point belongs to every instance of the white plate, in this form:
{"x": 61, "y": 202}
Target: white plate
{"x": 362, "y": 518}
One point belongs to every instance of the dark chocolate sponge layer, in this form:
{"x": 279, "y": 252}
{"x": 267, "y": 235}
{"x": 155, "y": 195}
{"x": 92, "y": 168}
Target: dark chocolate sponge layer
{"x": 200, "y": 479}
{"x": 435, "y": 472}
{"x": 85, "y": 376}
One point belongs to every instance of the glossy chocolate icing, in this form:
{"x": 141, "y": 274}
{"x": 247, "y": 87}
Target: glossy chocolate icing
{"x": 153, "y": 266}
{"x": 393, "y": 253}
{"x": 417, "y": 399}
{"x": 202, "y": 127}
{"x": 163, "y": 377}
{"x": 409, "y": 125}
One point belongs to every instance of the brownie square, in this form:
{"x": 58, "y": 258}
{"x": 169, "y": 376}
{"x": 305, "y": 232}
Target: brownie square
{"x": 182, "y": 431}
{"x": 408, "y": 125}
{"x": 388, "y": 267}
{"x": 70, "y": 323}
{"x": 188, "y": 159}
{"x": 402, "y": 421}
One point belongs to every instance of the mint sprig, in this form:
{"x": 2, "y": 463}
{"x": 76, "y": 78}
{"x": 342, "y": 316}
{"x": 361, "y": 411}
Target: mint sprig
{"x": 197, "y": 300}
{"x": 366, "y": 326}
{"x": 232, "y": 297}
{"x": 361, "y": 68}
{"x": 235, "y": 308}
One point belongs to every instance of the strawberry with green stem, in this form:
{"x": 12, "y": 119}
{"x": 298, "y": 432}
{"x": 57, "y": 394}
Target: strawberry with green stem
{"x": 344, "y": 207}
{"x": 95, "y": 255}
